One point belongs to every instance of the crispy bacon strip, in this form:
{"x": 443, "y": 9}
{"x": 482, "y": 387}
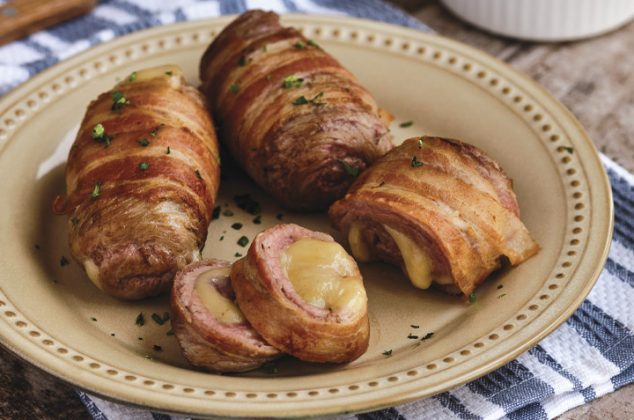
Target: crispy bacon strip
{"x": 141, "y": 181}
{"x": 290, "y": 114}
{"x": 450, "y": 199}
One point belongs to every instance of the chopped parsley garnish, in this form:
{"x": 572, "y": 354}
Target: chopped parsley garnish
{"x": 132, "y": 76}
{"x": 414, "y": 326}
{"x": 118, "y": 100}
{"x": 234, "y": 88}
{"x": 387, "y": 353}
{"x": 143, "y": 142}
{"x": 353, "y": 171}
{"x": 157, "y": 318}
{"x": 237, "y": 254}
{"x": 270, "y": 367}
{"x": 227, "y": 212}
{"x": 96, "y": 192}
{"x": 257, "y": 219}
{"x": 427, "y": 336}
{"x": 63, "y": 262}
{"x": 168, "y": 151}
{"x": 412, "y": 336}
{"x": 243, "y": 60}
{"x": 198, "y": 174}
{"x": 313, "y": 44}
{"x": 502, "y": 295}
{"x": 140, "y": 319}
{"x": 169, "y": 73}
{"x": 569, "y": 149}
{"x": 216, "y": 213}
{"x": 473, "y": 298}
{"x": 243, "y": 241}
{"x": 421, "y": 142}
{"x": 292, "y": 81}
{"x": 416, "y": 163}
{"x": 314, "y": 101}
{"x": 99, "y": 134}
{"x": 157, "y": 348}
{"x": 237, "y": 226}
{"x": 299, "y": 45}
{"x": 406, "y": 124}
{"x": 154, "y": 132}
{"x": 247, "y": 203}
{"x": 144, "y": 166}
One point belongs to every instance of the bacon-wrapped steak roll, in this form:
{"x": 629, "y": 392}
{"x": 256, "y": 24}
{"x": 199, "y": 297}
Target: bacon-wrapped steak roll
{"x": 141, "y": 181}
{"x": 209, "y": 327}
{"x": 441, "y": 209}
{"x": 298, "y": 122}
{"x": 304, "y": 294}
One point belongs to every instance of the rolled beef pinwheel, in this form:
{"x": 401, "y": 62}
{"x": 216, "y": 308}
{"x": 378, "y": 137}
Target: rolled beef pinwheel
{"x": 441, "y": 209}
{"x": 209, "y": 326}
{"x": 141, "y": 181}
{"x": 303, "y": 294}
{"x": 298, "y": 122}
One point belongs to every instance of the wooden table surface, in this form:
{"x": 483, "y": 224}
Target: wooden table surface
{"x": 593, "y": 78}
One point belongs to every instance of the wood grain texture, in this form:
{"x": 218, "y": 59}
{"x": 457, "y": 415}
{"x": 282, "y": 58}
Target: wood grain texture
{"x": 594, "y": 78}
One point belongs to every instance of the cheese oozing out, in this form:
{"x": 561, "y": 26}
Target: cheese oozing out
{"x": 222, "y": 308}
{"x": 358, "y": 246}
{"x": 418, "y": 263}
{"x": 324, "y": 275}
{"x": 92, "y": 271}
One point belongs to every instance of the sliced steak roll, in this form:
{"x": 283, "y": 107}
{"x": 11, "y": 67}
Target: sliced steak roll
{"x": 295, "y": 119}
{"x": 441, "y": 209}
{"x": 304, "y": 294}
{"x": 209, "y": 326}
{"x": 141, "y": 181}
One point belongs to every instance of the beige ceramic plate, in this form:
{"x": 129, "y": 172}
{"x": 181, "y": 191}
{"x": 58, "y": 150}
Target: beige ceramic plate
{"x": 54, "y": 317}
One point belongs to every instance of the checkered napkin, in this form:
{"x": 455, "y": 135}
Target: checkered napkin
{"x": 590, "y": 355}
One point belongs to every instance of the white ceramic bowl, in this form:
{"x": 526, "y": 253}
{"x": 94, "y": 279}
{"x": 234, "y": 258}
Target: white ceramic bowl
{"x": 544, "y": 20}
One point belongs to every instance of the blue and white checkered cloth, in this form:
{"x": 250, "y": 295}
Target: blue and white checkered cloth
{"x": 590, "y": 355}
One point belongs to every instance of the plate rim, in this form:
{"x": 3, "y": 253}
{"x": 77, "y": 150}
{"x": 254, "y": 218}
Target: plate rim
{"x": 13, "y": 97}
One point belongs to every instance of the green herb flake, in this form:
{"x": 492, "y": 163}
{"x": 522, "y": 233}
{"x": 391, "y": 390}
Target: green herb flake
{"x": 155, "y": 131}
{"x": 473, "y": 298}
{"x": 247, "y": 203}
{"x": 237, "y": 226}
{"x": 243, "y": 61}
{"x": 312, "y": 43}
{"x": 353, "y": 171}
{"x": 157, "y": 348}
{"x": 198, "y": 174}
{"x": 96, "y": 192}
{"x": 237, "y": 255}
{"x": 412, "y": 336}
{"x": 147, "y": 356}
{"x": 416, "y": 163}
{"x": 234, "y": 88}
{"x": 63, "y": 262}
{"x": 427, "y": 336}
{"x": 157, "y": 318}
{"x": 257, "y": 219}
{"x": 415, "y": 326}
{"x": 144, "y": 166}
{"x": 74, "y": 220}
{"x": 270, "y": 367}
{"x": 569, "y": 150}
{"x": 143, "y": 142}
{"x": 501, "y": 296}
{"x": 222, "y": 237}
{"x": 406, "y": 124}
{"x": 243, "y": 241}
{"x": 299, "y": 45}
{"x": 98, "y": 131}
{"x": 292, "y": 81}
{"x": 300, "y": 101}
{"x": 169, "y": 73}
{"x": 227, "y": 212}
{"x": 387, "y": 353}
{"x": 168, "y": 151}
{"x": 216, "y": 213}
{"x": 421, "y": 143}
{"x": 132, "y": 77}
{"x": 118, "y": 100}
{"x": 140, "y": 321}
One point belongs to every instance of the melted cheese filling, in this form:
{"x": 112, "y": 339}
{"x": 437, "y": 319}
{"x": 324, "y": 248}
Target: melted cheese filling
{"x": 324, "y": 275}
{"x": 360, "y": 250}
{"x": 92, "y": 271}
{"x": 223, "y": 309}
{"x": 418, "y": 263}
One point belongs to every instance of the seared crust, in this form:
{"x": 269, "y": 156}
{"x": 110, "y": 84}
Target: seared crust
{"x": 268, "y": 300}
{"x": 207, "y": 342}
{"x": 450, "y": 198}
{"x": 293, "y": 151}
{"x": 143, "y": 225}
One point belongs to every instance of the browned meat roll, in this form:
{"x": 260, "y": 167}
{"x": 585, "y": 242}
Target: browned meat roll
{"x": 298, "y": 122}
{"x": 304, "y": 294}
{"x": 441, "y": 209}
{"x": 141, "y": 180}
{"x": 209, "y": 326}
